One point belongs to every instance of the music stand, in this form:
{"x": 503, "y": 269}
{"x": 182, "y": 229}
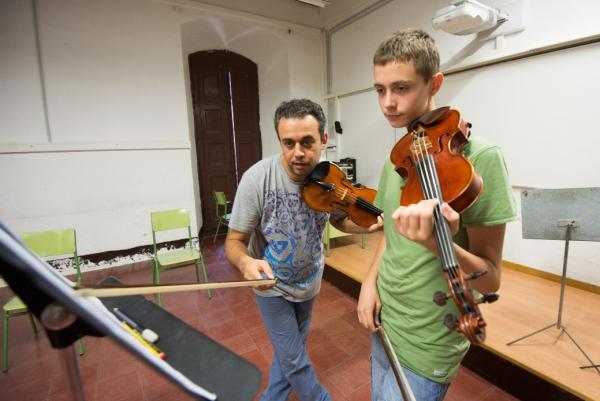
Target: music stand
{"x": 67, "y": 316}
{"x": 561, "y": 214}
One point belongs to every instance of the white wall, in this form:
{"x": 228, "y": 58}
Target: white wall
{"x": 22, "y": 111}
{"x": 113, "y": 77}
{"x": 106, "y": 196}
{"x": 540, "y": 109}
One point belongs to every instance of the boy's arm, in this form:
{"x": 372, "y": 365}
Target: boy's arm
{"x": 236, "y": 251}
{"x": 369, "y": 304}
{"x": 415, "y": 222}
{"x": 485, "y": 253}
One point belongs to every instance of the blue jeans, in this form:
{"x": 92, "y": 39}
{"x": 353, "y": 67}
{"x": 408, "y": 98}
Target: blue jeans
{"x": 384, "y": 386}
{"x": 287, "y": 324}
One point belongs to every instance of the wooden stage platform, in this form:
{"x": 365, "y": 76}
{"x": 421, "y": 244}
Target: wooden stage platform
{"x": 545, "y": 366}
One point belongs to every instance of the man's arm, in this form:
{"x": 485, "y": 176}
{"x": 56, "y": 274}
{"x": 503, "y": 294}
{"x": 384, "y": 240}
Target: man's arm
{"x": 236, "y": 251}
{"x": 369, "y": 304}
{"x": 344, "y": 224}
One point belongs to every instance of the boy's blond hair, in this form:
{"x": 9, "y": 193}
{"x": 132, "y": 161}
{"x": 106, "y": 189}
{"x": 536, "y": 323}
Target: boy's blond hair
{"x": 410, "y": 45}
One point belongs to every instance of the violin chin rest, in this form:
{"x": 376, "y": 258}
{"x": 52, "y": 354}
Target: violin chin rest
{"x": 320, "y": 171}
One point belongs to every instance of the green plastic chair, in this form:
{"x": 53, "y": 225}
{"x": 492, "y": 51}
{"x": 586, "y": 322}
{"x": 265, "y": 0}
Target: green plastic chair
{"x": 45, "y": 244}
{"x": 332, "y": 232}
{"x": 167, "y": 220}
{"x": 221, "y": 208}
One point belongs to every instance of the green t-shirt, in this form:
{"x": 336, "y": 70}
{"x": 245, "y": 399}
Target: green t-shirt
{"x": 409, "y": 274}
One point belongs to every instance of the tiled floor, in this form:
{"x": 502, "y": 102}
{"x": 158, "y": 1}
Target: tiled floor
{"x": 338, "y": 346}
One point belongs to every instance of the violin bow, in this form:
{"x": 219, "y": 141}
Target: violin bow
{"x": 101, "y": 291}
{"x": 407, "y": 394}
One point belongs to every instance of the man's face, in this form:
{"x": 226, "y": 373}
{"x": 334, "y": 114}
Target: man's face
{"x": 301, "y": 145}
{"x": 403, "y": 94}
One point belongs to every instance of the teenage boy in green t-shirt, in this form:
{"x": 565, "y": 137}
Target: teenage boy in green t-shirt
{"x": 406, "y": 270}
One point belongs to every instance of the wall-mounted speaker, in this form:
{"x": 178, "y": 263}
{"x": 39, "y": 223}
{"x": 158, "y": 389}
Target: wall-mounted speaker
{"x": 338, "y": 127}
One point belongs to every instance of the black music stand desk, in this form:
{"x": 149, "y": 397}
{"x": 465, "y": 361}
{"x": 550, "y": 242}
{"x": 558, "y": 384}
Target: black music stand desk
{"x": 195, "y": 363}
{"x": 198, "y": 357}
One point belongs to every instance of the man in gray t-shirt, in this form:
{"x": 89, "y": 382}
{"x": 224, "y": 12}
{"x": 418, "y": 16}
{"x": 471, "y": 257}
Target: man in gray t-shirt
{"x": 285, "y": 232}
{"x": 274, "y": 234}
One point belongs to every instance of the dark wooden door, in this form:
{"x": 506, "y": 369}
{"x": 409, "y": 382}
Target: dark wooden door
{"x": 226, "y": 124}
{"x": 244, "y": 89}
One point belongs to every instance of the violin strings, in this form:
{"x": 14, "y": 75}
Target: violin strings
{"x": 425, "y": 173}
{"x": 431, "y": 190}
{"x": 356, "y": 200}
{"x": 443, "y": 228}
{"x": 427, "y": 177}
{"x": 448, "y": 241}
{"x": 443, "y": 231}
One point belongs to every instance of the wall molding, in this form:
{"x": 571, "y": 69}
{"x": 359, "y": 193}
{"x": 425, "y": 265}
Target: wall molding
{"x": 582, "y": 285}
{"x": 63, "y": 147}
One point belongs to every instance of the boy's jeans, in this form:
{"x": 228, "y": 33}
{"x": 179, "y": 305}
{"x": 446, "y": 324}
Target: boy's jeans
{"x": 384, "y": 386}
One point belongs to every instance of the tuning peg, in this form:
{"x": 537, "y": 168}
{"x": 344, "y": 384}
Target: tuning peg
{"x": 488, "y": 298}
{"x": 451, "y": 321}
{"x": 475, "y": 275}
{"x": 440, "y": 298}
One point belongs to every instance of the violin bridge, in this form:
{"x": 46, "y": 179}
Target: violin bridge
{"x": 421, "y": 142}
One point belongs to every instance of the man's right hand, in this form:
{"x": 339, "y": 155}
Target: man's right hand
{"x": 236, "y": 251}
{"x": 256, "y": 269}
{"x": 369, "y": 306}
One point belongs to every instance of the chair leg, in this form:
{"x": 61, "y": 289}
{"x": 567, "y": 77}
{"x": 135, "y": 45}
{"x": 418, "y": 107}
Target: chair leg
{"x": 80, "y": 347}
{"x": 205, "y": 275}
{"x": 217, "y": 232}
{"x": 78, "y": 272}
{"x": 197, "y": 270}
{"x": 156, "y": 270}
{"x": 32, "y": 322}
{"x": 5, "y": 343}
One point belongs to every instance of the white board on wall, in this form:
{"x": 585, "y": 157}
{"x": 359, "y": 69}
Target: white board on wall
{"x": 541, "y": 110}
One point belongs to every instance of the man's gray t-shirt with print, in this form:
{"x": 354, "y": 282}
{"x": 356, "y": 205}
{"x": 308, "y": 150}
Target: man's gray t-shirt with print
{"x": 285, "y": 231}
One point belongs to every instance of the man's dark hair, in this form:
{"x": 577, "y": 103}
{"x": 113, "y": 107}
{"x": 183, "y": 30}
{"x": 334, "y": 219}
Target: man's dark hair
{"x": 300, "y": 108}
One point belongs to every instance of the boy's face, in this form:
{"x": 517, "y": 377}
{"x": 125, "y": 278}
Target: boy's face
{"x": 301, "y": 145}
{"x": 403, "y": 94}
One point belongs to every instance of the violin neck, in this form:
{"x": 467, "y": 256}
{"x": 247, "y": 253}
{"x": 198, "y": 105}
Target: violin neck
{"x": 430, "y": 185}
{"x": 444, "y": 242}
{"x": 368, "y": 206}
